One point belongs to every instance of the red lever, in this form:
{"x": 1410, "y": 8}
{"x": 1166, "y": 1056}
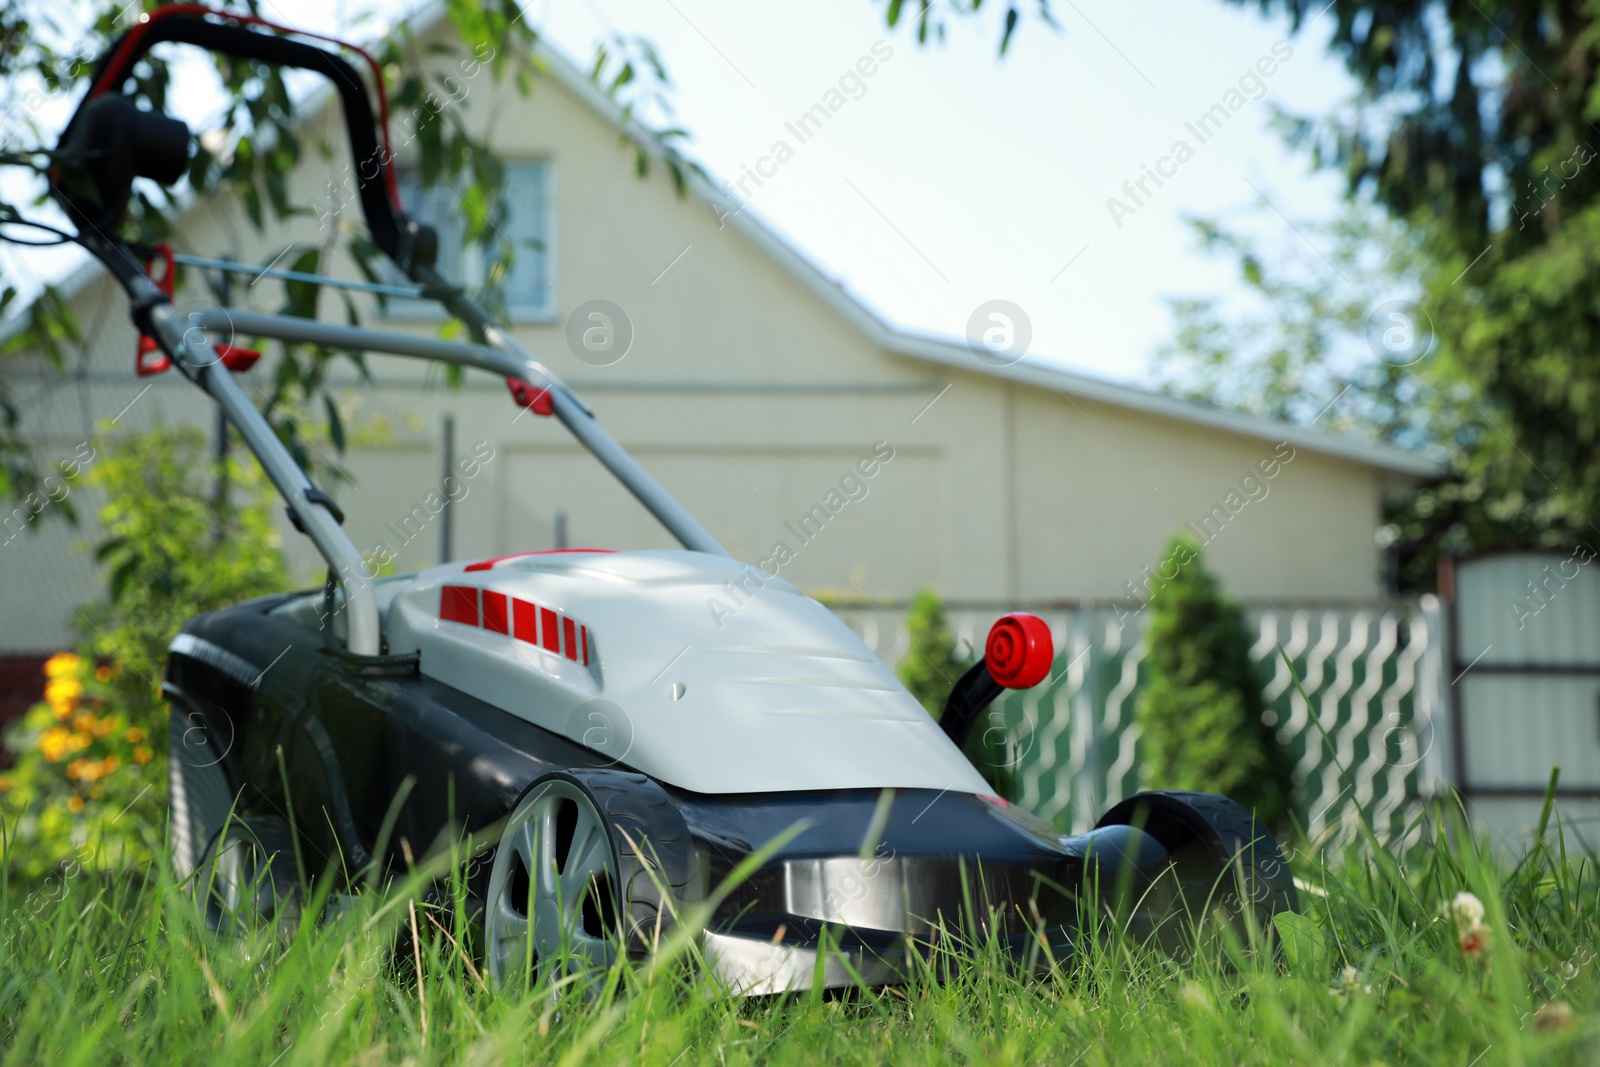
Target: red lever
{"x": 1019, "y": 651}
{"x": 238, "y": 359}
{"x": 148, "y": 358}
{"x": 527, "y": 395}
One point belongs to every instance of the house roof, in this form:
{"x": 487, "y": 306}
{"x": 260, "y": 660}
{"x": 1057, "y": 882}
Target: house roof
{"x": 951, "y": 353}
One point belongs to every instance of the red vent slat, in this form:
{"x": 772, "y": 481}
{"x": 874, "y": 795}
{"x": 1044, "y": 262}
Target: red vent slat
{"x": 526, "y": 618}
{"x": 570, "y": 630}
{"x": 494, "y": 612}
{"x": 551, "y": 632}
{"x": 458, "y": 603}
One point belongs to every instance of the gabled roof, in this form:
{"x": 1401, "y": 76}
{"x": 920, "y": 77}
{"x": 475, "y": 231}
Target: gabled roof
{"x": 951, "y": 353}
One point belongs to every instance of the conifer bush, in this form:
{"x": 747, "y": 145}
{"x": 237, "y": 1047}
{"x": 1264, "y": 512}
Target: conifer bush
{"x": 1200, "y": 709}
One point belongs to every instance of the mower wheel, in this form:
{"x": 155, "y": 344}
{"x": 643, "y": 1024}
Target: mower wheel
{"x": 591, "y": 862}
{"x": 250, "y": 876}
{"x": 1222, "y": 855}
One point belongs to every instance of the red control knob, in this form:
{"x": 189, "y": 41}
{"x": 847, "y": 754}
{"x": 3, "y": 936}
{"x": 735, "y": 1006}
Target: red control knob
{"x": 1019, "y": 651}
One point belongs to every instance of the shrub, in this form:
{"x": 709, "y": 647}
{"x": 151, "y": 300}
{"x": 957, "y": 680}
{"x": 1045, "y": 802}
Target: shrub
{"x": 1200, "y": 710}
{"x": 91, "y": 758}
{"x": 81, "y": 765}
{"x": 930, "y": 669}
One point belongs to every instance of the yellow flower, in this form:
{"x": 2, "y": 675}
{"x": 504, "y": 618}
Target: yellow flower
{"x": 55, "y": 744}
{"x": 74, "y": 804}
{"x": 62, "y": 664}
{"x": 103, "y": 673}
{"x": 62, "y": 695}
{"x": 134, "y": 735}
{"x": 6, "y": 785}
{"x": 142, "y": 755}
{"x": 92, "y": 770}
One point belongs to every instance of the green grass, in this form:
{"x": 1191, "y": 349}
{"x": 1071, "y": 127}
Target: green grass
{"x": 115, "y": 968}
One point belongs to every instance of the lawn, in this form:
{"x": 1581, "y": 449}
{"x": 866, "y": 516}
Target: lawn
{"x": 106, "y": 968}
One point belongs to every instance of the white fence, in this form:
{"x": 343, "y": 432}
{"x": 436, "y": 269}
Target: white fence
{"x": 1365, "y": 723}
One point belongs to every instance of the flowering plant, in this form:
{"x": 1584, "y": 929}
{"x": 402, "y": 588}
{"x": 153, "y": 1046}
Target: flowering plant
{"x": 91, "y": 758}
{"x": 81, "y": 770}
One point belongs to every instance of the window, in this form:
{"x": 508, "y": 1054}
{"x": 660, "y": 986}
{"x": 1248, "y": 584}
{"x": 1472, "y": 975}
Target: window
{"x": 528, "y": 287}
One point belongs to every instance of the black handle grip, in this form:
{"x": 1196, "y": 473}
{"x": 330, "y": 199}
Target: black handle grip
{"x": 189, "y": 24}
{"x": 974, "y": 691}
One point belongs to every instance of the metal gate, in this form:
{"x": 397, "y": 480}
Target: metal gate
{"x": 1524, "y": 685}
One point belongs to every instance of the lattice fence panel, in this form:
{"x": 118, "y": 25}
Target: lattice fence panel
{"x": 1361, "y": 709}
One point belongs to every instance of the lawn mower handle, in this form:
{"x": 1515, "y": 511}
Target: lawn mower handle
{"x": 400, "y": 239}
{"x": 157, "y": 148}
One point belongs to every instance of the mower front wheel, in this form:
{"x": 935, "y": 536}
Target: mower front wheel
{"x": 590, "y": 863}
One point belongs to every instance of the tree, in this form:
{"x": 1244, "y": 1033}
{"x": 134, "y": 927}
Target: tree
{"x": 164, "y": 559}
{"x": 1474, "y": 128}
{"x": 1200, "y": 709}
{"x": 930, "y": 669}
{"x": 929, "y": 22}
{"x": 1292, "y": 341}
{"x": 930, "y": 666}
{"x": 1307, "y": 347}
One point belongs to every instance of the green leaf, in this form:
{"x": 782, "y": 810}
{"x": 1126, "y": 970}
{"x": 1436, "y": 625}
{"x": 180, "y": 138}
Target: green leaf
{"x": 335, "y": 422}
{"x": 109, "y": 547}
{"x": 1304, "y": 948}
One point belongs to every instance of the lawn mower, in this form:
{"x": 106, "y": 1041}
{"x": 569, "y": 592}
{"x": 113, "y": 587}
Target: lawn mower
{"x": 614, "y": 753}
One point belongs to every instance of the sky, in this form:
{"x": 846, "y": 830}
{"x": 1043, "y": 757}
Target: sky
{"x": 951, "y": 177}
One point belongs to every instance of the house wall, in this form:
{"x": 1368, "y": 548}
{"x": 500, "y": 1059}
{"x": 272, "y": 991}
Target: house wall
{"x": 750, "y": 399}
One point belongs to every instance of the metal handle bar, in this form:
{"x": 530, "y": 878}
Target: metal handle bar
{"x": 198, "y": 359}
{"x": 501, "y": 356}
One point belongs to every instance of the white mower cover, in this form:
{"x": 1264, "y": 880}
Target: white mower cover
{"x": 655, "y": 661}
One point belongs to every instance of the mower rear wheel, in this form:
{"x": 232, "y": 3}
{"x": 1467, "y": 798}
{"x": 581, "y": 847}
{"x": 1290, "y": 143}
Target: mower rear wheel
{"x": 249, "y": 877}
{"x": 588, "y": 866}
{"x": 1222, "y": 856}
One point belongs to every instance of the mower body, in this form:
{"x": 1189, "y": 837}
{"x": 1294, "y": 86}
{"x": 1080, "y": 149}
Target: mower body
{"x": 498, "y": 673}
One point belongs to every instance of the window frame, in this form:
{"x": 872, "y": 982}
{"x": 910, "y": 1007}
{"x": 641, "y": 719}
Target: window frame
{"x": 401, "y": 309}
